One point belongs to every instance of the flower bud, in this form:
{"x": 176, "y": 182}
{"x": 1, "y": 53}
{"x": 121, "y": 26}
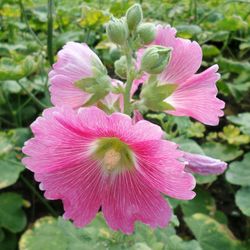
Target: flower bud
{"x": 117, "y": 31}
{"x": 202, "y": 164}
{"x": 134, "y": 16}
{"x": 155, "y": 59}
{"x": 121, "y": 67}
{"x": 146, "y": 32}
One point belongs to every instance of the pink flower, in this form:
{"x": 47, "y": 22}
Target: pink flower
{"x": 195, "y": 94}
{"x": 89, "y": 159}
{"x": 76, "y": 61}
{"x": 203, "y": 165}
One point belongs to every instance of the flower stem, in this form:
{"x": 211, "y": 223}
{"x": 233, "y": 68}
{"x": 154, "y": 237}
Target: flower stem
{"x": 40, "y": 104}
{"x": 50, "y": 32}
{"x": 38, "y": 195}
{"x": 130, "y": 78}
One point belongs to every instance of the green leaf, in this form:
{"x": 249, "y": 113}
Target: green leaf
{"x": 232, "y": 23}
{"x": 243, "y": 120}
{"x": 232, "y": 66}
{"x": 16, "y": 70}
{"x": 1, "y": 234}
{"x": 242, "y": 199}
{"x": 239, "y": 172}
{"x": 189, "y": 145}
{"x": 204, "y": 179}
{"x": 196, "y": 130}
{"x": 220, "y": 151}
{"x": 188, "y": 31}
{"x": 176, "y": 243}
{"x": 49, "y": 233}
{"x": 12, "y": 217}
{"x": 210, "y": 234}
{"x": 9, "y": 242}
{"x": 210, "y": 50}
{"x": 10, "y": 170}
{"x": 232, "y": 135}
{"x": 5, "y": 145}
{"x": 203, "y": 203}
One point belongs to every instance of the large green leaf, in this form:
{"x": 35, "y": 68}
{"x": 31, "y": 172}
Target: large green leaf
{"x": 9, "y": 171}
{"x": 242, "y": 200}
{"x": 203, "y": 202}
{"x": 176, "y": 243}
{"x": 189, "y": 145}
{"x": 239, "y": 172}
{"x": 15, "y": 70}
{"x": 210, "y": 234}
{"x": 220, "y": 151}
{"x": 243, "y": 120}
{"x": 49, "y": 233}
{"x": 12, "y": 217}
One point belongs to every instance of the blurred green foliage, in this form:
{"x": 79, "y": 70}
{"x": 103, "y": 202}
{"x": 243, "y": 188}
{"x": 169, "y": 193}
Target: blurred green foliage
{"x": 218, "y": 218}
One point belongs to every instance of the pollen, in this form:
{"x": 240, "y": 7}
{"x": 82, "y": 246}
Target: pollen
{"x": 111, "y": 159}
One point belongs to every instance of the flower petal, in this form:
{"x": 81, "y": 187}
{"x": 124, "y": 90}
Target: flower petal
{"x": 196, "y": 98}
{"x": 158, "y": 163}
{"x": 64, "y": 92}
{"x": 128, "y": 199}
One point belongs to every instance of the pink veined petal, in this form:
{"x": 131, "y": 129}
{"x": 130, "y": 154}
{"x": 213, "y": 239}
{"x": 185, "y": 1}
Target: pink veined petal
{"x": 79, "y": 187}
{"x": 64, "y": 92}
{"x": 185, "y": 60}
{"x": 196, "y": 98}
{"x": 128, "y": 199}
{"x": 165, "y": 36}
{"x": 158, "y": 163}
{"x": 74, "y": 61}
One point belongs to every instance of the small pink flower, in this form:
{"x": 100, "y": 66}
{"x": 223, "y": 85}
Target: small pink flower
{"x": 195, "y": 95}
{"x": 76, "y": 61}
{"x": 89, "y": 159}
{"x": 202, "y": 164}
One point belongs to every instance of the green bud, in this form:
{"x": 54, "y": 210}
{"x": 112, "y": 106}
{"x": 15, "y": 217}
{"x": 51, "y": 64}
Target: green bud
{"x": 155, "y": 59}
{"x": 121, "y": 67}
{"x": 134, "y": 16}
{"x": 146, "y": 32}
{"x": 117, "y": 31}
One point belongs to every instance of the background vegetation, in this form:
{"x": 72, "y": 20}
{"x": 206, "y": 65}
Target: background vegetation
{"x": 218, "y": 218}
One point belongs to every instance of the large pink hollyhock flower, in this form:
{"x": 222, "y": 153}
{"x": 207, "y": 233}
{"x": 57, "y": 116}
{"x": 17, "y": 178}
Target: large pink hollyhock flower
{"x": 89, "y": 159}
{"x": 76, "y": 61}
{"x": 195, "y": 94}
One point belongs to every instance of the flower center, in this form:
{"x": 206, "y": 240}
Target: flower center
{"x": 111, "y": 159}
{"x": 113, "y": 154}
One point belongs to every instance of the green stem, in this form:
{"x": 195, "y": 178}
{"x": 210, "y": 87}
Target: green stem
{"x": 38, "y": 195}
{"x": 50, "y": 33}
{"x": 24, "y": 17}
{"x": 130, "y": 78}
{"x": 40, "y": 104}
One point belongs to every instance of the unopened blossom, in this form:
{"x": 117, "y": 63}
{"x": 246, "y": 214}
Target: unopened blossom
{"x": 194, "y": 93}
{"x": 202, "y": 164}
{"x": 91, "y": 160}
